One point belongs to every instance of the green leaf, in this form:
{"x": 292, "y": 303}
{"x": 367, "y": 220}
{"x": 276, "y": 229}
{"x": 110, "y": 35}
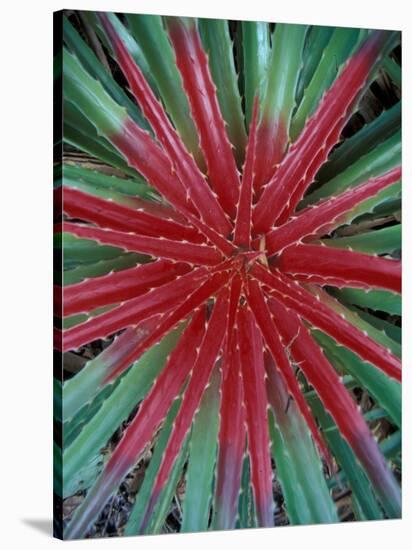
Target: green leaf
{"x": 57, "y": 399}
{"x": 92, "y": 145}
{"x": 96, "y": 70}
{"x": 386, "y": 202}
{"x": 283, "y": 73}
{"x": 256, "y": 57}
{"x": 90, "y": 98}
{"x": 117, "y": 407}
{"x": 128, "y": 40}
{"x": 356, "y": 476}
{"x": 82, "y": 134}
{"x": 84, "y": 251}
{"x": 381, "y": 241}
{"x": 77, "y": 123}
{"x": 385, "y": 390}
{"x": 202, "y": 460}
{"x": 107, "y": 187}
{"x": 392, "y": 445}
{"x": 73, "y": 320}
{"x": 379, "y": 300}
{"x": 393, "y": 70}
{"x": 381, "y": 159}
{"x": 218, "y": 44}
{"x": 316, "y": 40}
{"x": 351, "y": 314}
{"x": 392, "y": 331}
{"x": 364, "y": 141}
{"x": 152, "y": 38}
{"x": 247, "y": 513}
{"x": 85, "y": 475}
{"x": 73, "y": 427}
{"x": 57, "y": 470}
{"x": 137, "y": 513}
{"x": 102, "y": 267}
{"x": 162, "y": 507}
{"x": 390, "y": 207}
{"x": 298, "y": 465}
{"x": 336, "y": 52}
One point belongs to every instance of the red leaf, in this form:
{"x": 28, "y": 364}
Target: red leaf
{"x": 108, "y": 214}
{"x": 340, "y": 267}
{"x": 244, "y": 208}
{"x": 119, "y": 286}
{"x": 278, "y": 351}
{"x": 232, "y": 439}
{"x": 189, "y": 174}
{"x": 313, "y": 143}
{"x": 143, "y": 154}
{"x": 337, "y": 401}
{"x": 254, "y": 391}
{"x": 323, "y": 217}
{"x": 162, "y": 177}
{"x": 320, "y": 316}
{"x": 232, "y": 427}
{"x": 141, "y": 430}
{"x": 212, "y": 284}
{"x": 202, "y": 369}
{"x": 163, "y": 248}
{"x": 192, "y": 63}
{"x": 272, "y": 142}
{"x": 159, "y": 301}
{"x": 310, "y": 174}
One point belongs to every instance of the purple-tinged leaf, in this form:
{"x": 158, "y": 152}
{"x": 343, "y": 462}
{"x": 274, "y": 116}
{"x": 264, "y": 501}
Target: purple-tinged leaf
{"x": 232, "y": 442}
{"x": 142, "y": 429}
{"x": 278, "y": 350}
{"x": 202, "y": 369}
{"x": 256, "y": 405}
{"x": 338, "y": 402}
{"x": 232, "y": 434}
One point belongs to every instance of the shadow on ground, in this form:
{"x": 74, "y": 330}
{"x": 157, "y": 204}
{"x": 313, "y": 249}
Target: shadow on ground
{"x": 43, "y": 526}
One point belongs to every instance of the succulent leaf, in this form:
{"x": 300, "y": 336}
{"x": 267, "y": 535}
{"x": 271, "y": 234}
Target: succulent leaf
{"x": 278, "y": 100}
{"x": 339, "y": 403}
{"x": 152, "y": 37}
{"x": 298, "y": 464}
{"x": 201, "y": 92}
{"x": 256, "y": 58}
{"x": 202, "y": 449}
{"x": 219, "y": 48}
{"x": 227, "y": 302}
